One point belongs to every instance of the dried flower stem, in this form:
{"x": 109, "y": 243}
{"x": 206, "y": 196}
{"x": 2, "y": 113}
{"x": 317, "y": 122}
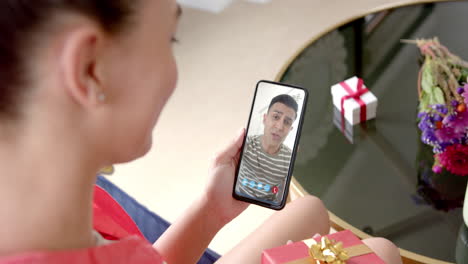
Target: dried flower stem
{"x": 451, "y": 82}
{"x": 446, "y": 76}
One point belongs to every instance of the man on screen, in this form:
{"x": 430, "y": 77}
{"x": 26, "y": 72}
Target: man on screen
{"x": 265, "y": 162}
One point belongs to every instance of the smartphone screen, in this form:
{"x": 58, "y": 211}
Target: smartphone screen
{"x": 268, "y": 152}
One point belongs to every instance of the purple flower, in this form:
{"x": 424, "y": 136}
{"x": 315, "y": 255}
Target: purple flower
{"x": 440, "y": 129}
{"x": 429, "y": 137}
{"x": 448, "y": 134}
{"x": 459, "y": 122}
{"x": 442, "y": 146}
{"x": 424, "y": 126}
{"x": 465, "y": 93}
{"x": 425, "y": 122}
{"x": 449, "y": 119}
{"x": 460, "y": 90}
{"x": 437, "y": 169}
{"x": 454, "y": 103}
{"x": 438, "y": 149}
{"x": 440, "y": 108}
{"x": 464, "y": 140}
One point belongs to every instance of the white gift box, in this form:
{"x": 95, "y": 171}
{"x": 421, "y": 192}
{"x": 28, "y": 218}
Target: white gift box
{"x": 354, "y": 134}
{"x": 351, "y": 107}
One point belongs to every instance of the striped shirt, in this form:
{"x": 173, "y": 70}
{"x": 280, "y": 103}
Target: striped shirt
{"x": 262, "y": 175}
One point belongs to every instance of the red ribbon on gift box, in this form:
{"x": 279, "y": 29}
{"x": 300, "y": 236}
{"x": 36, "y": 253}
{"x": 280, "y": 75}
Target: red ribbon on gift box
{"x": 356, "y": 95}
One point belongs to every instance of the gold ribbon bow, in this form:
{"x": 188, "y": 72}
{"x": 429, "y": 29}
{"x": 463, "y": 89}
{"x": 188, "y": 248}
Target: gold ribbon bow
{"x": 109, "y": 170}
{"x": 328, "y": 251}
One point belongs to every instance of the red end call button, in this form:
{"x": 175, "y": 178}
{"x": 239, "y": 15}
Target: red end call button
{"x": 275, "y": 190}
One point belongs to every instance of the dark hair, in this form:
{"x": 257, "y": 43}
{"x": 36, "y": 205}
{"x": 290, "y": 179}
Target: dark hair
{"x": 21, "y": 24}
{"x": 286, "y": 100}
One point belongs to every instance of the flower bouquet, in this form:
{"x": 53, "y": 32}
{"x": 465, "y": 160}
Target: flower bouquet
{"x": 444, "y": 191}
{"x": 442, "y": 113}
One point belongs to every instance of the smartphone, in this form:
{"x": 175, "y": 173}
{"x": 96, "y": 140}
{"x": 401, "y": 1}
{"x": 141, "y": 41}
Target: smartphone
{"x": 269, "y": 148}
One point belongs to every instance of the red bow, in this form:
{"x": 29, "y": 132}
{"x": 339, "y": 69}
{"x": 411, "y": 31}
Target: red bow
{"x": 356, "y": 95}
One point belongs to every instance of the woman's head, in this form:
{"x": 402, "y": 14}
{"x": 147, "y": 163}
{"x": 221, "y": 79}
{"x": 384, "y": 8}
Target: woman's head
{"x": 60, "y": 58}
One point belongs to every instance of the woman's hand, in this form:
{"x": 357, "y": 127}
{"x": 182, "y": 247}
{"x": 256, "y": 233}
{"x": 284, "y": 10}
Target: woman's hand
{"x": 218, "y": 193}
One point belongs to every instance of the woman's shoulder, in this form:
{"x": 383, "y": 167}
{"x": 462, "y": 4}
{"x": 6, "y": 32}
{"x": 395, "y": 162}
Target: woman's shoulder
{"x": 129, "y": 250}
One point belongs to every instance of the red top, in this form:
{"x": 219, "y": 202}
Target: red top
{"x": 110, "y": 219}
{"x": 113, "y": 223}
{"x": 129, "y": 250}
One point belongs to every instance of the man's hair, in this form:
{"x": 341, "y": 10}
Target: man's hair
{"x": 286, "y": 100}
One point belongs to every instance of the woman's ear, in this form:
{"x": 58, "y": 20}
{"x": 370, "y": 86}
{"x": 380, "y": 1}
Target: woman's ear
{"x": 80, "y": 53}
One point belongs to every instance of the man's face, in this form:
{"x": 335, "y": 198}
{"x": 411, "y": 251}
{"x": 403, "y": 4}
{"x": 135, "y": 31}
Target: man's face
{"x": 278, "y": 122}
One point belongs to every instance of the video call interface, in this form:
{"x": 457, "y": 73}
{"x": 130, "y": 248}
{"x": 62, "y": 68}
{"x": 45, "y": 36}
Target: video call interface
{"x": 270, "y": 139}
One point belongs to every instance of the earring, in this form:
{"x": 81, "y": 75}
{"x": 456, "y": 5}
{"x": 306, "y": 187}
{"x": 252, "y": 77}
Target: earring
{"x": 101, "y": 97}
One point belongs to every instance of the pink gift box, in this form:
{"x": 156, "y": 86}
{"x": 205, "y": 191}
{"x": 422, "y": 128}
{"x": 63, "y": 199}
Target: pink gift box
{"x": 300, "y": 250}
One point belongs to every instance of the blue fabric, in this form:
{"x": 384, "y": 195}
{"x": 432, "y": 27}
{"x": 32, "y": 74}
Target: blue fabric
{"x": 150, "y": 224}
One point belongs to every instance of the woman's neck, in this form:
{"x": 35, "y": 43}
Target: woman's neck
{"x": 46, "y": 193}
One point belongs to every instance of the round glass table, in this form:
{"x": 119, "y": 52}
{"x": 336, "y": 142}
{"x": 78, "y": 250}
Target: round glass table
{"x": 378, "y": 180}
